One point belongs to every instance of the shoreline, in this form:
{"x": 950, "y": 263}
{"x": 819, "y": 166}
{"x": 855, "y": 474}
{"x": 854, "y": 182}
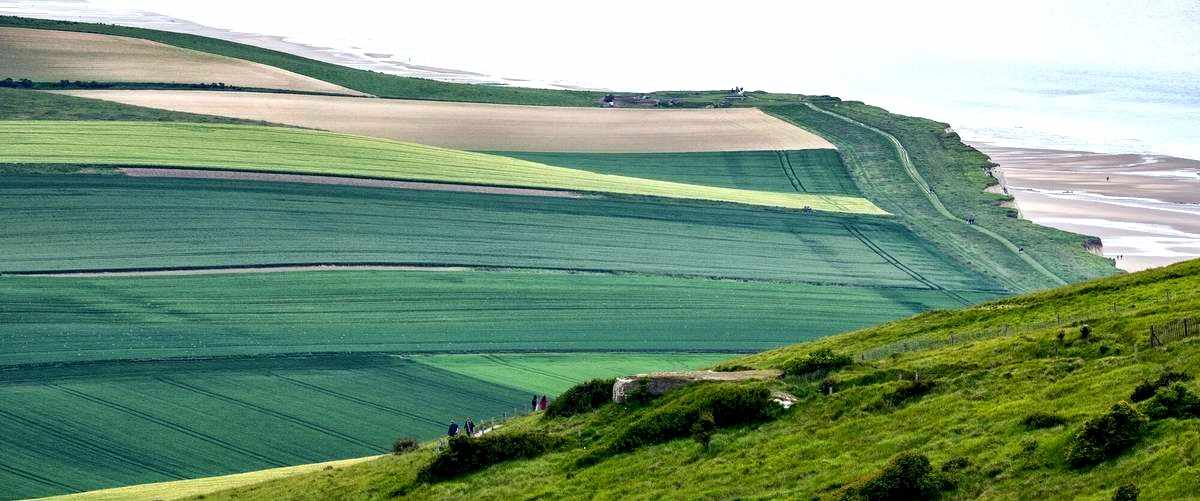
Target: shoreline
{"x": 1144, "y": 207}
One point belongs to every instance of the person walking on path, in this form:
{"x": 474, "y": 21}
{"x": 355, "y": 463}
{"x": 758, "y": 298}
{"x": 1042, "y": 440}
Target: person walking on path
{"x": 453, "y": 429}
{"x": 470, "y": 426}
{"x": 533, "y": 404}
{"x": 543, "y": 403}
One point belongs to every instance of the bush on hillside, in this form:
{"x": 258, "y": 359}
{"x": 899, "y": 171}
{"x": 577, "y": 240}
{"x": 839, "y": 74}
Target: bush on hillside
{"x": 703, "y": 428}
{"x": 1175, "y": 401}
{"x": 1085, "y": 332}
{"x": 581, "y": 398}
{"x": 1147, "y": 388}
{"x": 404, "y": 445}
{"x": 908, "y": 475}
{"x": 1127, "y": 492}
{"x": 464, "y": 454}
{"x": 1106, "y": 436}
{"x": 1042, "y": 420}
{"x": 816, "y": 364}
{"x": 732, "y": 368}
{"x": 909, "y": 391}
{"x": 729, "y": 404}
{"x": 956, "y": 463}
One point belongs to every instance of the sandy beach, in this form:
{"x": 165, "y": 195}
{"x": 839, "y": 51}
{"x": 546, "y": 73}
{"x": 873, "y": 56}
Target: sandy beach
{"x": 1145, "y": 208}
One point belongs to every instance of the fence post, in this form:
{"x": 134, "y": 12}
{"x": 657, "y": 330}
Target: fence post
{"x": 1185, "y": 327}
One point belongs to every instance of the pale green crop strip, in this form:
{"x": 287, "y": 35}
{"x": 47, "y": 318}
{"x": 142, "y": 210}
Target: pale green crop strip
{"x": 273, "y": 149}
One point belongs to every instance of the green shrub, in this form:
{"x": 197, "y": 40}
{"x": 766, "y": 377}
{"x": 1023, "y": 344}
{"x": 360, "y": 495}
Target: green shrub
{"x": 1085, "y": 332}
{"x": 404, "y": 445}
{"x": 957, "y": 463}
{"x": 703, "y": 428}
{"x": 816, "y": 364}
{"x": 732, "y": 368}
{"x": 1175, "y": 401}
{"x": 909, "y": 391}
{"x": 1127, "y": 492}
{"x": 464, "y": 454}
{"x": 1147, "y": 388}
{"x": 907, "y": 476}
{"x": 729, "y": 404}
{"x": 581, "y": 398}
{"x": 1042, "y": 420}
{"x": 1106, "y": 436}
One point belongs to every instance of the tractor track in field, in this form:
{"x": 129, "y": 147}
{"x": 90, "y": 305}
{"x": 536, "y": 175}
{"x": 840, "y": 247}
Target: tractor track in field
{"x": 34, "y": 477}
{"x": 406, "y": 376}
{"x": 937, "y": 204}
{"x": 270, "y": 412}
{"x": 167, "y": 424}
{"x": 350, "y": 398}
{"x": 512, "y": 365}
{"x": 894, "y": 261}
{"x": 81, "y": 445}
{"x": 403, "y": 266}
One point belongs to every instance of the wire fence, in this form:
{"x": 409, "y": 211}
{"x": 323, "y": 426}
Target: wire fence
{"x": 920, "y": 344}
{"x": 1164, "y": 333}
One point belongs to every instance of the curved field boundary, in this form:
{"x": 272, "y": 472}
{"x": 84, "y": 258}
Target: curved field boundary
{"x": 933, "y": 199}
{"x": 493, "y": 127}
{"x": 296, "y": 151}
{"x": 180, "y": 489}
{"x": 50, "y": 56}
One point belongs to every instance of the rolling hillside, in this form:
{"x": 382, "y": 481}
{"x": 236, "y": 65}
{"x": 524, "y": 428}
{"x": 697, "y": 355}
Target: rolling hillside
{"x": 190, "y": 294}
{"x": 986, "y": 370}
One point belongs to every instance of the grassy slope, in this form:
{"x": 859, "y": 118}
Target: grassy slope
{"x": 80, "y": 222}
{"x": 959, "y": 174}
{"x": 82, "y": 427}
{"x": 16, "y": 104}
{"x": 875, "y": 166}
{"x": 379, "y": 84}
{"x": 983, "y": 390}
{"x": 804, "y": 171}
{"x": 273, "y": 149}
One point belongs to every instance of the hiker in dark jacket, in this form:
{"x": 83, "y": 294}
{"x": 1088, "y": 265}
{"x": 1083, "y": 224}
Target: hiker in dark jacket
{"x": 533, "y": 404}
{"x": 545, "y": 401}
{"x": 470, "y": 426}
{"x": 453, "y": 429}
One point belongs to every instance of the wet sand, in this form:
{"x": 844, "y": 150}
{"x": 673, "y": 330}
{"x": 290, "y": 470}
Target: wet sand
{"x": 1145, "y": 208}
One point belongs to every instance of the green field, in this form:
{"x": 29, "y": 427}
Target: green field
{"x": 972, "y": 418}
{"x": 105, "y": 424}
{"x": 54, "y": 319}
{"x": 802, "y": 171}
{"x": 88, "y": 222}
{"x": 273, "y": 149}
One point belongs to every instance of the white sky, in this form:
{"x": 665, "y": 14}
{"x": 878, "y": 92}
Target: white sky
{"x": 792, "y": 46}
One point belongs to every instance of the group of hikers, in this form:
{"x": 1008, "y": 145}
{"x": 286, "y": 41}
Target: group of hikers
{"x": 468, "y": 427}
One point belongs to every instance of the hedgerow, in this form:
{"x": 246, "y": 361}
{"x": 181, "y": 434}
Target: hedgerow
{"x": 816, "y": 364}
{"x": 729, "y": 405}
{"x": 581, "y": 398}
{"x": 464, "y": 454}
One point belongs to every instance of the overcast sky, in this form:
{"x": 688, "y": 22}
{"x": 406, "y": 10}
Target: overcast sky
{"x": 797, "y": 46}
